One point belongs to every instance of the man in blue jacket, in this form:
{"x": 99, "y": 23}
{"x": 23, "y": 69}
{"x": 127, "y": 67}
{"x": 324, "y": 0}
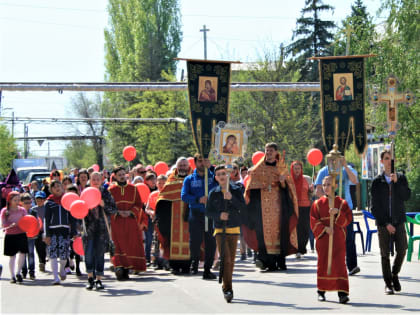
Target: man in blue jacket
{"x": 193, "y": 194}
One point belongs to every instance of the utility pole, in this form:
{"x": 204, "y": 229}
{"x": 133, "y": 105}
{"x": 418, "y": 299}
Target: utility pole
{"x": 205, "y": 30}
{"x": 13, "y": 124}
{"x": 25, "y": 145}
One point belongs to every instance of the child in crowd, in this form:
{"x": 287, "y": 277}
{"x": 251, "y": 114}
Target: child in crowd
{"x": 224, "y": 207}
{"x": 15, "y": 241}
{"x": 59, "y": 227}
{"x": 26, "y": 202}
{"x": 38, "y": 211}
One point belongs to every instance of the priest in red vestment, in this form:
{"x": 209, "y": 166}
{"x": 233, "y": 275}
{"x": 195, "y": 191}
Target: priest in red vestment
{"x": 126, "y": 225}
{"x": 338, "y": 279}
{"x": 172, "y": 219}
{"x": 271, "y": 216}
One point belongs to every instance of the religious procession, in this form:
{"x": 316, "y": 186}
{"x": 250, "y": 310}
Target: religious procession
{"x": 230, "y": 194}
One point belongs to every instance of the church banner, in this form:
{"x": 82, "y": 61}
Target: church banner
{"x": 343, "y": 101}
{"x": 208, "y": 91}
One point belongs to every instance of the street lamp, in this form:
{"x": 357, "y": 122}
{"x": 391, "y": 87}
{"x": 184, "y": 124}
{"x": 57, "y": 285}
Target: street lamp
{"x": 334, "y": 162}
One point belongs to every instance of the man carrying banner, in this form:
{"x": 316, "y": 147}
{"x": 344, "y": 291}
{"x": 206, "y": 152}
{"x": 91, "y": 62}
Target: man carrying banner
{"x": 193, "y": 193}
{"x": 272, "y": 211}
{"x": 224, "y": 207}
{"x": 126, "y": 226}
{"x": 172, "y": 219}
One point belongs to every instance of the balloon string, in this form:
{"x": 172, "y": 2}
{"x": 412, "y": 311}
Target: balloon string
{"x": 313, "y": 173}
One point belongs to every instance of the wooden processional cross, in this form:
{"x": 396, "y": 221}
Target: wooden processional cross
{"x": 392, "y": 98}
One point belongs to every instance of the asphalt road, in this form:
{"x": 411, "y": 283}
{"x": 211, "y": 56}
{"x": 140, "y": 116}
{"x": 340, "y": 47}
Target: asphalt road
{"x": 254, "y": 291}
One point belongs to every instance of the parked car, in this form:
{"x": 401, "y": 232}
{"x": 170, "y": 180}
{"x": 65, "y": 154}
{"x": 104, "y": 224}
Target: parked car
{"x": 38, "y": 176}
{"x": 23, "y": 172}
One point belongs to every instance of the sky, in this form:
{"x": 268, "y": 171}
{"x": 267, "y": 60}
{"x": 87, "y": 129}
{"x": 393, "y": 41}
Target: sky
{"x": 63, "y": 41}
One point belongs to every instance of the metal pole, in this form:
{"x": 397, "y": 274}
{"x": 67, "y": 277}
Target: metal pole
{"x": 157, "y": 86}
{"x": 13, "y": 124}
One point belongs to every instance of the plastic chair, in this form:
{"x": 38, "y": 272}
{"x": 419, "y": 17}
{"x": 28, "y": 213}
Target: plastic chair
{"x": 412, "y": 239}
{"x": 367, "y": 215}
{"x": 358, "y": 230}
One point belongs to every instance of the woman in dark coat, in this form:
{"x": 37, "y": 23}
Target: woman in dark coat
{"x": 95, "y": 235}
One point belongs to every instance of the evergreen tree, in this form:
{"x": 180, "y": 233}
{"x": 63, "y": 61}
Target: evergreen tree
{"x": 311, "y": 38}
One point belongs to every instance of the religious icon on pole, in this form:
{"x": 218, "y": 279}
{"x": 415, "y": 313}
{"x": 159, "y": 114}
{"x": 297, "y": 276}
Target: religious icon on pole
{"x": 343, "y": 101}
{"x": 208, "y": 94}
{"x": 230, "y": 142}
{"x": 392, "y": 98}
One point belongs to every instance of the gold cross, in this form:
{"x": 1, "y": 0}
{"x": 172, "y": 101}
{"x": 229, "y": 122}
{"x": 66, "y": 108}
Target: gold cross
{"x": 392, "y": 99}
{"x": 330, "y": 139}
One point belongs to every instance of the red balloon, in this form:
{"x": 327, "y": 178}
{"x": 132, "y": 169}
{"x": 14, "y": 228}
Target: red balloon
{"x": 129, "y": 153}
{"x": 92, "y": 196}
{"x": 78, "y": 246}
{"x": 314, "y": 157}
{"x": 257, "y": 156}
{"x": 79, "y": 209}
{"x": 33, "y": 233}
{"x": 28, "y": 223}
{"x": 152, "y": 199}
{"x": 161, "y": 168}
{"x": 246, "y": 180}
{"x": 68, "y": 199}
{"x": 144, "y": 191}
{"x": 96, "y": 167}
{"x": 191, "y": 162}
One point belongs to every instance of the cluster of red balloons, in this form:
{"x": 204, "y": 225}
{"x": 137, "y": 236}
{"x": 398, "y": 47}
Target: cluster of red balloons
{"x": 79, "y": 207}
{"x": 30, "y": 225}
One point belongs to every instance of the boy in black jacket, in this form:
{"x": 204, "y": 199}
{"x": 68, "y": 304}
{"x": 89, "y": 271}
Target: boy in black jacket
{"x": 226, "y": 205}
{"x": 389, "y": 191}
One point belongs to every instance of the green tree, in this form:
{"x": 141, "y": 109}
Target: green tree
{"x": 312, "y": 37}
{"x": 8, "y": 150}
{"x": 281, "y": 117}
{"x": 356, "y": 33}
{"x": 92, "y": 109}
{"x": 398, "y": 50}
{"x": 80, "y": 154}
{"x": 142, "y": 41}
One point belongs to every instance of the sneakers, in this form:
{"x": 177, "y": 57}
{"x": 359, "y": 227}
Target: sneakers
{"x": 19, "y": 278}
{"x": 56, "y": 282}
{"x": 32, "y": 276}
{"x": 42, "y": 267}
{"x": 298, "y": 255}
{"x": 208, "y": 275}
{"x": 99, "y": 286}
{"x": 90, "y": 284}
{"x": 228, "y": 295}
{"x": 194, "y": 267}
{"x": 396, "y": 283}
{"x": 13, "y": 280}
{"x": 354, "y": 271}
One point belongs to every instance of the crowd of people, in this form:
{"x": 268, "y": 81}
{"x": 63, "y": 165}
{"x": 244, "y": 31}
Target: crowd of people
{"x": 270, "y": 209}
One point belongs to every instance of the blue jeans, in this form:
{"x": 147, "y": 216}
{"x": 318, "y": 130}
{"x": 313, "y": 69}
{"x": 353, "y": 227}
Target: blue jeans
{"x": 196, "y": 223}
{"x": 149, "y": 239}
{"x": 94, "y": 256}
{"x": 30, "y": 257}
